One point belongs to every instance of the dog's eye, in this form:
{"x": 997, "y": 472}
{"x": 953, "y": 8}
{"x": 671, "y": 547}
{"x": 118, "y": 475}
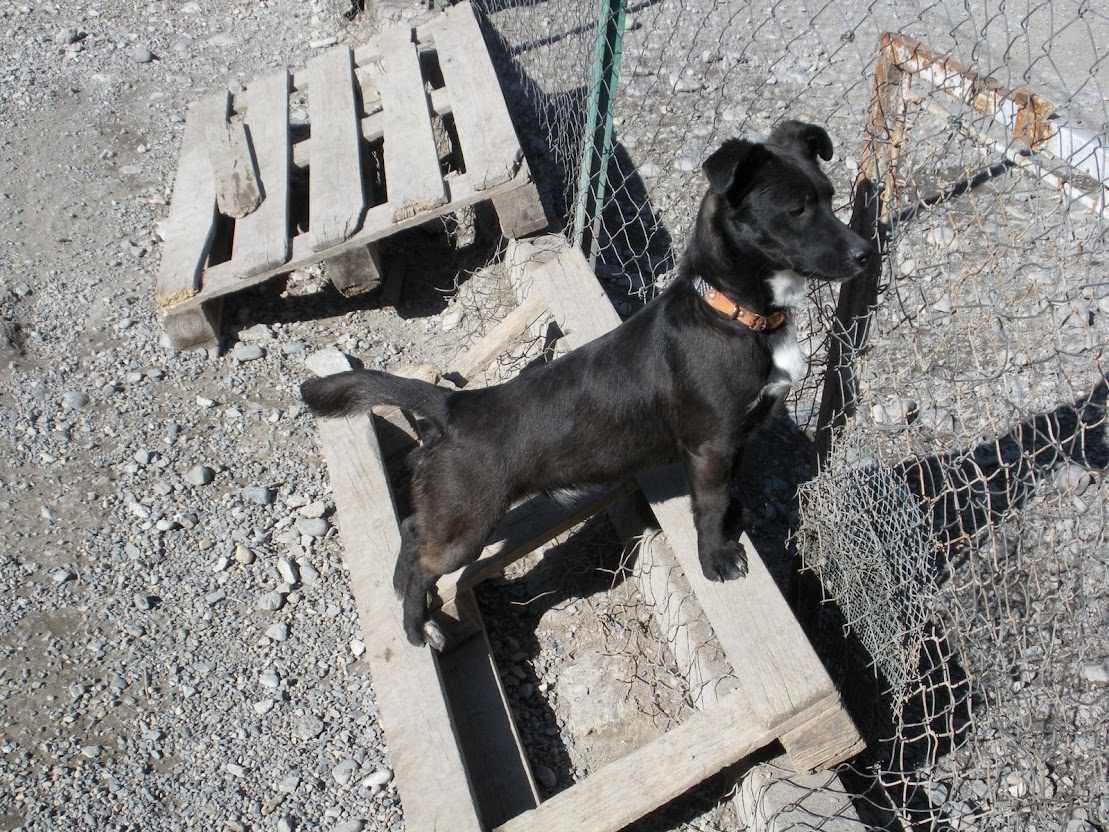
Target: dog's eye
{"x": 798, "y": 211}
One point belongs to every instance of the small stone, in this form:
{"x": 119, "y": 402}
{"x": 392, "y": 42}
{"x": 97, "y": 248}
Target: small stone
{"x": 278, "y": 631}
{"x": 269, "y": 679}
{"x": 288, "y": 571}
{"x": 67, "y": 36}
{"x": 263, "y": 706}
{"x": 357, "y": 647}
{"x": 62, "y": 576}
{"x": 284, "y": 824}
{"x": 344, "y": 771}
{"x": 379, "y": 779}
{"x": 687, "y": 164}
{"x": 327, "y": 362}
{"x": 452, "y": 318}
{"x": 247, "y": 352}
{"x": 307, "y": 727}
{"x": 205, "y": 402}
{"x": 244, "y": 555}
{"x": 352, "y": 825}
{"x": 1016, "y": 784}
{"x": 270, "y": 601}
{"x": 317, "y": 508}
{"x": 75, "y": 399}
{"x": 313, "y": 526}
{"x": 259, "y": 333}
{"x": 289, "y": 784}
{"x": 546, "y": 777}
{"x": 1097, "y": 672}
{"x": 141, "y": 55}
{"x": 199, "y": 475}
{"x": 48, "y": 513}
{"x": 91, "y": 751}
{"x": 258, "y": 494}
{"x": 235, "y": 769}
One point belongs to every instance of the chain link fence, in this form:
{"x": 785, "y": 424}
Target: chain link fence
{"x": 958, "y": 521}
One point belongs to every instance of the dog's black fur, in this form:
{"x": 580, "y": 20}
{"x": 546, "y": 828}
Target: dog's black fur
{"x": 676, "y": 382}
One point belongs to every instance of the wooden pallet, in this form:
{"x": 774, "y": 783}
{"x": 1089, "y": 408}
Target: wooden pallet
{"x": 409, "y": 127}
{"x": 456, "y": 754}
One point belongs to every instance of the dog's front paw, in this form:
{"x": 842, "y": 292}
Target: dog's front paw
{"x": 725, "y": 562}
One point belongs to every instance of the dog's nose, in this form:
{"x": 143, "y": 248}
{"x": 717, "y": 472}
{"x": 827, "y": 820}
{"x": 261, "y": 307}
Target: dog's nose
{"x": 862, "y": 254}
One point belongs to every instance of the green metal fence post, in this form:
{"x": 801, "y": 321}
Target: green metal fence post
{"x": 597, "y": 147}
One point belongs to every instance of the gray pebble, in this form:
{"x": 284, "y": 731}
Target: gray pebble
{"x": 546, "y": 777}
{"x": 284, "y": 824}
{"x": 199, "y": 475}
{"x": 270, "y": 601}
{"x": 247, "y": 352}
{"x": 1097, "y": 672}
{"x": 141, "y": 55}
{"x": 258, "y": 494}
{"x": 256, "y": 334}
{"x": 278, "y": 631}
{"x": 307, "y": 727}
{"x": 75, "y": 399}
{"x": 269, "y": 679}
{"x": 343, "y": 773}
{"x": 288, "y": 571}
{"x": 313, "y": 526}
{"x": 67, "y": 36}
{"x": 353, "y": 825}
{"x": 244, "y": 555}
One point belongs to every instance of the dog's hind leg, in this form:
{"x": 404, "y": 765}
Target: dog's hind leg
{"x": 710, "y": 471}
{"x": 409, "y": 541}
{"x": 434, "y": 557}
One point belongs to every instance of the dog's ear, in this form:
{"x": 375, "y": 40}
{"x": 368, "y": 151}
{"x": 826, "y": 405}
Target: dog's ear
{"x": 812, "y": 139}
{"x": 732, "y": 163}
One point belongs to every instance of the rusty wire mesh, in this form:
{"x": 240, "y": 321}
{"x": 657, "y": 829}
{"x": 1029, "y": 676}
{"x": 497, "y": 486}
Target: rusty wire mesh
{"x": 958, "y": 524}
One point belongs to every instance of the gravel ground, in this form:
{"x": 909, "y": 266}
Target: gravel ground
{"x": 179, "y": 648}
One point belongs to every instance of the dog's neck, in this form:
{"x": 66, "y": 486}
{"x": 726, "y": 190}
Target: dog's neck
{"x": 728, "y": 307}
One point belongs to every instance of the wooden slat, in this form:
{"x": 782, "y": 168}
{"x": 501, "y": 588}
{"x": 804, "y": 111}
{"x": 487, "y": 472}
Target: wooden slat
{"x": 627, "y": 789}
{"x": 378, "y": 224}
{"x": 497, "y": 340}
{"x": 523, "y": 530}
{"x": 233, "y": 169}
{"x": 412, "y": 172}
{"x": 430, "y": 775}
{"x": 489, "y": 145}
{"x": 772, "y": 657}
{"x": 490, "y": 741}
{"x": 336, "y": 200}
{"x": 191, "y": 224}
{"x": 262, "y": 238}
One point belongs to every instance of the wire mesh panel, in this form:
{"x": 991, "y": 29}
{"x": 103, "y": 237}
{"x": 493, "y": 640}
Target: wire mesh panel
{"x": 958, "y": 523}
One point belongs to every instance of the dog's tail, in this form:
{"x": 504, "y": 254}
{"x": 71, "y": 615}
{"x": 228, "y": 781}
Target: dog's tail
{"x": 356, "y": 391}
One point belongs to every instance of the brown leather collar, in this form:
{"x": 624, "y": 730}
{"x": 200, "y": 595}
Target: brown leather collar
{"x": 726, "y": 306}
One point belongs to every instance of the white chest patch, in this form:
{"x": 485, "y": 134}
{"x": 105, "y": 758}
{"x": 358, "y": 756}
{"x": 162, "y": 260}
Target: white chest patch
{"x": 787, "y": 288}
{"x": 788, "y": 358}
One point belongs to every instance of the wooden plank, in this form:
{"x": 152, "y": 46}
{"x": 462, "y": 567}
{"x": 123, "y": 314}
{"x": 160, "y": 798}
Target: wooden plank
{"x": 233, "y": 169}
{"x": 197, "y": 327}
{"x": 262, "y": 238}
{"x": 490, "y": 148}
{"x": 627, "y": 789}
{"x": 521, "y": 212}
{"x": 191, "y": 224}
{"x": 336, "y": 200}
{"x": 378, "y": 224}
{"x": 523, "y": 530}
{"x": 497, "y": 340}
{"x": 431, "y": 778}
{"x": 412, "y": 174}
{"x": 490, "y": 742}
{"x": 355, "y": 271}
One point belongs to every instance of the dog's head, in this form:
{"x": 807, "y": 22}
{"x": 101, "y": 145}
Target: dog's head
{"x": 772, "y": 198}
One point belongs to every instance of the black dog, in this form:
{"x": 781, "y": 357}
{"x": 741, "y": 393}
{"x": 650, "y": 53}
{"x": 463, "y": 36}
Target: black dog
{"x": 688, "y": 378}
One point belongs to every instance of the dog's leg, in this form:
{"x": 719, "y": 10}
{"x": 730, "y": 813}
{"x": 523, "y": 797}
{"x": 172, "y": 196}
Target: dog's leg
{"x": 709, "y": 472}
{"x": 409, "y": 542}
{"x": 432, "y": 559}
